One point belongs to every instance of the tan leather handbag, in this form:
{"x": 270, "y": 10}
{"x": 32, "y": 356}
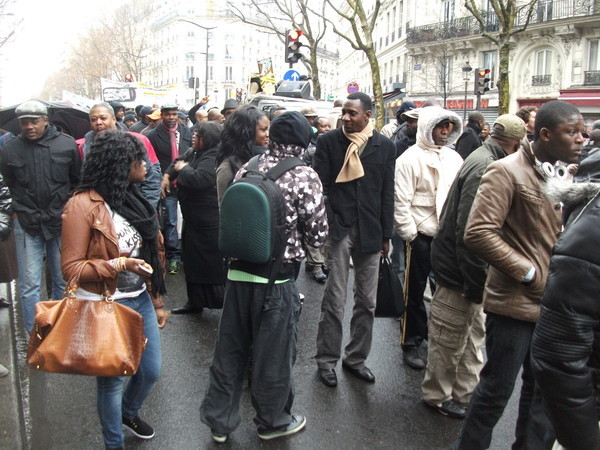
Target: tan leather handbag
{"x": 86, "y": 337}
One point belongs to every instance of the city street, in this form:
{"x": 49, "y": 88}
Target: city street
{"x": 386, "y": 415}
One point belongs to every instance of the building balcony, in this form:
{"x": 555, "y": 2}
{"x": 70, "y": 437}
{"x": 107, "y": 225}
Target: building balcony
{"x": 541, "y": 80}
{"x": 545, "y": 11}
{"x": 591, "y": 77}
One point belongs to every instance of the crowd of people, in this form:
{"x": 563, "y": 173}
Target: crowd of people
{"x": 497, "y": 219}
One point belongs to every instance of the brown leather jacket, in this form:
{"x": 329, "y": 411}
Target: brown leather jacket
{"x": 513, "y": 226}
{"x": 88, "y": 234}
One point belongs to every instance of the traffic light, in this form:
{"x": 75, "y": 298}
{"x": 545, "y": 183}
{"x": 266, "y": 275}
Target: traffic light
{"x": 482, "y": 81}
{"x": 292, "y": 46}
{"x": 129, "y": 77}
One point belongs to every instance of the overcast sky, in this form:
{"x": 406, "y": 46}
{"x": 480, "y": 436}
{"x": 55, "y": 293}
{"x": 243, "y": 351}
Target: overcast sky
{"x": 41, "y": 42}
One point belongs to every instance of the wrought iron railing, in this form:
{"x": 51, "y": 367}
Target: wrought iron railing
{"x": 592, "y": 77}
{"x": 541, "y": 80}
{"x": 545, "y": 11}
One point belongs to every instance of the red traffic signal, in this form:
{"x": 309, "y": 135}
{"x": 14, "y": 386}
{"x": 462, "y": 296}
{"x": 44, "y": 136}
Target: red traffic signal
{"x": 292, "y": 46}
{"x": 482, "y": 81}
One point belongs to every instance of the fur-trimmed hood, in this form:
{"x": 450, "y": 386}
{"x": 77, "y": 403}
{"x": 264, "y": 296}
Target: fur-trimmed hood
{"x": 429, "y": 117}
{"x": 570, "y": 193}
{"x": 585, "y": 185}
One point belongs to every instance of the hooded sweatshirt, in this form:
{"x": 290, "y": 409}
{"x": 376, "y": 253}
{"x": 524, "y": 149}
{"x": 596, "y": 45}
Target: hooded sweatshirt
{"x": 424, "y": 174}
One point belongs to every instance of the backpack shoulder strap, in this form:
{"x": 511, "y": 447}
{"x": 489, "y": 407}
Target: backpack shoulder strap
{"x": 283, "y": 166}
{"x": 253, "y": 164}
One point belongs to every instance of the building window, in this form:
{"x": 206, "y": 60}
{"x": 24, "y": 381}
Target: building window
{"x": 594, "y": 59}
{"x": 445, "y": 71}
{"x": 543, "y": 68}
{"x": 544, "y": 10}
{"x": 394, "y": 23}
{"x": 229, "y": 74}
{"x": 448, "y": 10}
{"x": 592, "y": 75}
{"x": 400, "y": 11}
{"x": 490, "y": 61}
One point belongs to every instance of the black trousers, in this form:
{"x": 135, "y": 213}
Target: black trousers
{"x": 416, "y": 315}
{"x": 267, "y": 331}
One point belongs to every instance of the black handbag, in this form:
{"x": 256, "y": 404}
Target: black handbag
{"x": 390, "y": 302}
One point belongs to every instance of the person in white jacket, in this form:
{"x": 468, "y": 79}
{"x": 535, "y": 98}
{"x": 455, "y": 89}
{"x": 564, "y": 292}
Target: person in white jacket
{"x": 424, "y": 174}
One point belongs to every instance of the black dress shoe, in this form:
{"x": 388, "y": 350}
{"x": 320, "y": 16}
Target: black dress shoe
{"x": 4, "y": 303}
{"x": 328, "y": 377}
{"x": 364, "y": 373}
{"x": 186, "y": 309}
{"x": 412, "y": 358}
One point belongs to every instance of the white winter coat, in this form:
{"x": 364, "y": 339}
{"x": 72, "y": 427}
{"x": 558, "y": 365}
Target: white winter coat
{"x": 424, "y": 174}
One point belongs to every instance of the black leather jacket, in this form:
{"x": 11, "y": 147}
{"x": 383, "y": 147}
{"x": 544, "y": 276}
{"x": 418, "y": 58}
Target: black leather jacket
{"x": 5, "y": 210}
{"x": 41, "y": 176}
{"x": 565, "y": 351}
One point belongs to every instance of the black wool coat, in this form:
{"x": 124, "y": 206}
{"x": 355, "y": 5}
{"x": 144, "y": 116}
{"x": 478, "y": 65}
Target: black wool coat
{"x": 368, "y": 201}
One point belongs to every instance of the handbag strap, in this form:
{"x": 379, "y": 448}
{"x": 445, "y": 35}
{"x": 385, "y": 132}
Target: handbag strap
{"x": 73, "y": 284}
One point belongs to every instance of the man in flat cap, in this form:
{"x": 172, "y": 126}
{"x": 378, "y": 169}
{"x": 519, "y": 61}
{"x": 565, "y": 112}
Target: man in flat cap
{"x": 170, "y": 139}
{"x": 41, "y": 167}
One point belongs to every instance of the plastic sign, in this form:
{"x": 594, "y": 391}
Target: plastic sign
{"x": 352, "y": 87}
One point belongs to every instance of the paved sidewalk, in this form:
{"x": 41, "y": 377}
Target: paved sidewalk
{"x": 12, "y": 430}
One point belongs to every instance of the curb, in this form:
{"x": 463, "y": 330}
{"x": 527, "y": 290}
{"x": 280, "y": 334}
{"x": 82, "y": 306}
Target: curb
{"x": 12, "y": 412}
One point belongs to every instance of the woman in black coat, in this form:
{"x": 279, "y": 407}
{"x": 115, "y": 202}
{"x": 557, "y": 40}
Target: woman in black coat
{"x": 197, "y": 183}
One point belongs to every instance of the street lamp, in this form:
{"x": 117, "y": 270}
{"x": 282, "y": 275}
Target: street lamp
{"x": 466, "y": 70}
{"x": 206, "y": 71}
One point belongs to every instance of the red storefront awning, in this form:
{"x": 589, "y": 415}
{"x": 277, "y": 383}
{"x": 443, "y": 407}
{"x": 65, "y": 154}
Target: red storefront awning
{"x": 581, "y": 97}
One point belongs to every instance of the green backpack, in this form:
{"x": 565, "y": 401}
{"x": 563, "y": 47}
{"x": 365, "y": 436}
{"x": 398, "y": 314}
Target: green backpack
{"x": 252, "y": 215}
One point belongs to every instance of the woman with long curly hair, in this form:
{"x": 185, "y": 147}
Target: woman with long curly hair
{"x": 245, "y": 134}
{"x": 196, "y": 179}
{"x": 110, "y": 234}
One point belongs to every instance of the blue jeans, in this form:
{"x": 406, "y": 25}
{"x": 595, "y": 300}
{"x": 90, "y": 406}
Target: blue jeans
{"x": 113, "y": 403}
{"x": 169, "y": 211}
{"x": 507, "y": 347}
{"x": 30, "y": 260}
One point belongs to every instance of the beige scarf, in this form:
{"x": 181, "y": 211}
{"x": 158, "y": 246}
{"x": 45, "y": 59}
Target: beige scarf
{"x": 352, "y": 167}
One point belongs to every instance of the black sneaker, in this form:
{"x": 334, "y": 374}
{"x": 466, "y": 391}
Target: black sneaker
{"x": 297, "y": 424}
{"x": 219, "y": 438}
{"x": 138, "y": 427}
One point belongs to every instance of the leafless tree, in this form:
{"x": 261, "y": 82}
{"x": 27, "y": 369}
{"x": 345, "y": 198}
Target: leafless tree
{"x": 441, "y": 62}
{"x": 509, "y": 20}
{"x": 114, "y": 48}
{"x": 9, "y": 22}
{"x": 291, "y": 14}
{"x": 361, "y": 24}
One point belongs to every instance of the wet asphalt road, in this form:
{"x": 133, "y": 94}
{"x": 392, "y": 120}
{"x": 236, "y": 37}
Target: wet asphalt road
{"x": 388, "y": 414}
